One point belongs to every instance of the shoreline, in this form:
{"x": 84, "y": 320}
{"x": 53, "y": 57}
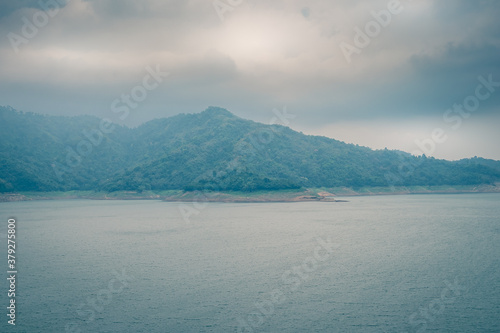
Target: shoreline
{"x": 305, "y": 195}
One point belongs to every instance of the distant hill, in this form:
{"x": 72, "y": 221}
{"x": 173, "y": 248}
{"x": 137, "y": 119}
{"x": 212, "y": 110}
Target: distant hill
{"x": 211, "y": 150}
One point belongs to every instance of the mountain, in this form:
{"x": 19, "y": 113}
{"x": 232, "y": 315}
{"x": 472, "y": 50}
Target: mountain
{"x": 211, "y": 150}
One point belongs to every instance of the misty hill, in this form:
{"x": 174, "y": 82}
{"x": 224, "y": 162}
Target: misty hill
{"x": 212, "y": 150}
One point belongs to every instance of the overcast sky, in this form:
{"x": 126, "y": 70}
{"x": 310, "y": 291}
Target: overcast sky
{"x": 331, "y": 64}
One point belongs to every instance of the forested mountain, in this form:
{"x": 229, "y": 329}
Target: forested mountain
{"x": 212, "y": 150}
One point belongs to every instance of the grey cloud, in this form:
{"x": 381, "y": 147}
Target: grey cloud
{"x": 213, "y": 68}
{"x": 305, "y": 12}
{"x": 453, "y": 71}
{"x": 8, "y": 7}
{"x": 459, "y": 59}
{"x": 463, "y": 8}
{"x": 125, "y": 9}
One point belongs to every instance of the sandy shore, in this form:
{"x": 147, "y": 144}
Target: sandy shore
{"x": 304, "y": 195}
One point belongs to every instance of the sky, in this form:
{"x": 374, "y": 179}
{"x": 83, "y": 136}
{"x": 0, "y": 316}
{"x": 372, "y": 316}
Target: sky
{"x": 420, "y": 76}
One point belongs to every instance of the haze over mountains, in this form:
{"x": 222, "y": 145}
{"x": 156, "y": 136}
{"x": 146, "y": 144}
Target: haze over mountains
{"x": 211, "y": 150}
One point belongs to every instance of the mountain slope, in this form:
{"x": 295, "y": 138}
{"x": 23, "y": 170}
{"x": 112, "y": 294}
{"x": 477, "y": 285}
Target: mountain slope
{"x": 212, "y": 150}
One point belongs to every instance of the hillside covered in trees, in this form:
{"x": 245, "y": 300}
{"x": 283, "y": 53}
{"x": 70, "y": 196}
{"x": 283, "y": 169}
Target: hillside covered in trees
{"x": 211, "y": 150}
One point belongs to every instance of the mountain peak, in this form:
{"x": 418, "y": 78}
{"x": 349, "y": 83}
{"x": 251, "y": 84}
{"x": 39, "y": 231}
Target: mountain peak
{"x": 217, "y": 111}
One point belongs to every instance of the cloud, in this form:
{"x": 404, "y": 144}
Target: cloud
{"x": 9, "y": 7}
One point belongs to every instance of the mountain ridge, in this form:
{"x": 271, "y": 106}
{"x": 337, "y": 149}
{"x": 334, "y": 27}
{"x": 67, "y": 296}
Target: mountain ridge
{"x": 213, "y": 150}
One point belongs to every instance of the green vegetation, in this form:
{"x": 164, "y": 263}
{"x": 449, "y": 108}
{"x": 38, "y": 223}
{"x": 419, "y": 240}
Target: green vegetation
{"x": 213, "y": 150}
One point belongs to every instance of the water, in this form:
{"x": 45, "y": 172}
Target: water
{"x": 398, "y": 264}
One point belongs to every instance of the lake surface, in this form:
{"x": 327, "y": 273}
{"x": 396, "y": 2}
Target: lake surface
{"x": 418, "y": 263}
